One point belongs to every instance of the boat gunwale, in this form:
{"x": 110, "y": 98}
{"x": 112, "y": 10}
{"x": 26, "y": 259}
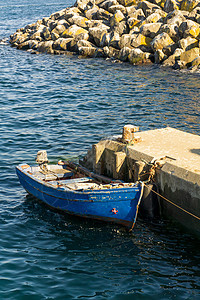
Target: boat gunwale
{"x": 135, "y": 188}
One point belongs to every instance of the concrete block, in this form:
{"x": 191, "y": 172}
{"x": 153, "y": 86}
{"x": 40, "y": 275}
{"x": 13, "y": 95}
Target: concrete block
{"x": 119, "y": 170}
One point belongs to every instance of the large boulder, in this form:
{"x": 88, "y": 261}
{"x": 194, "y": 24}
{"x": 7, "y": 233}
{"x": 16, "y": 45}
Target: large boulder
{"x": 194, "y": 15}
{"x": 19, "y": 37}
{"x": 87, "y": 51}
{"x": 136, "y": 17}
{"x": 84, "y": 43}
{"x": 94, "y": 23}
{"x": 51, "y": 24}
{"x": 155, "y": 17}
{"x": 125, "y": 41}
{"x": 70, "y": 12}
{"x": 46, "y": 47}
{"x": 189, "y": 28}
{"x": 188, "y": 43}
{"x": 189, "y": 5}
{"x": 111, "y": 52}
{"x": 120, "y": 28}
{"x": 114, "y": 40}
{"x": 138, "y": 14}
{"x": 194, "y": 64}
{"x": 103, "y": 14}
{"x": 189, "y": 55}
{"x": 27, "y": 45}
{"x": 171, "y": 30}
{"x": 171, "y": 5}
{"x": 138, "y": 40}
{"x": 170, "y": 49}
{"x": 83, "y": 4}
{"x": 186, "y": 58}
{"x": 58, "y": 15}
{"x": 130, "y": 10}
{"x": 112, "y": 9}
{"x": 170, "y": 61}
{"x": 46, "y": 34}
{"x": 62, "y": 44}
{"x": 150, "y": 29}
{"x": 76, "y": 31}
{"x": 124, "y": 53}
{"x": 79, "y": 21}
{"x": 159, "y": 56}
{"x": 108, "y": 3}
{"x": 117, "y": 18}
{"x": 148, "y": 7}
{"x": 37, "y": 36}
{"x": 91, "y": 14}
{"x": 127, "y": 2}
{"x": 98, "y": 33}
{"x": 161, "y": 41}
{"x": 59, "y": 29}
{"x": 175, "y": 17}
{"x": 137, "y": 56}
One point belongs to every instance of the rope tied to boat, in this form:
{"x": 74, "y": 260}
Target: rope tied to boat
{"x": 137, "y": 208}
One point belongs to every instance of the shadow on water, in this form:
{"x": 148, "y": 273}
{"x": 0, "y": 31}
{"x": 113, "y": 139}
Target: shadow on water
{"x": 60, "y": 223}
{"x": 35, "y": 209}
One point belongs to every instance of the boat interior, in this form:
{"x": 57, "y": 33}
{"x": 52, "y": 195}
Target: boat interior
{"x": 65, "y": 176}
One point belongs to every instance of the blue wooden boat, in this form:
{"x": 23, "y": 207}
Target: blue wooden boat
{"x": 77, "y": 191}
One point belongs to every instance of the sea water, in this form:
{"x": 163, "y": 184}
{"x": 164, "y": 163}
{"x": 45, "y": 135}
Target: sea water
{"x": 64, "y": 104}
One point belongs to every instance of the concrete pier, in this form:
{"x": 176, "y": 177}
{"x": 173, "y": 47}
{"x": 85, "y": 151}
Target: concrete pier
{"x": 170, "y": 156}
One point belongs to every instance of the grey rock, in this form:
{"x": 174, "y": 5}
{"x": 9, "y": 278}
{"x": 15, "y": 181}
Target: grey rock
{"x": 171, "y": 30}
{"x": 175, "y": 17}
{"x": 137, "y": 56}
{"x": 150, "y": 29}
{"x": 45, "y": 46}
{"x": 171, "y": 5}
{"x": 189, "y": 28}
{"x": 108, "y": 3}
{"x": 148, "y": 7}
{"x": 161, "y": 41}
{"x": 124, "y": 53}
{"x": 87, "y": 51}
{"x": 62, "y": 44}
{"x": 112, "y": 9}
{"x": 188, "y": 43}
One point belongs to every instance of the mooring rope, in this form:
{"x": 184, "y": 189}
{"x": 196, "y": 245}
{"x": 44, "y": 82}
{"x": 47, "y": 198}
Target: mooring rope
{"x": 198, "y": 218}
{"x": 137, "y": 208}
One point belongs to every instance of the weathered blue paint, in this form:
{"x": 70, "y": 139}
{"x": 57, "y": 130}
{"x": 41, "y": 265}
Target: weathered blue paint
{"x": 118, "y": 205}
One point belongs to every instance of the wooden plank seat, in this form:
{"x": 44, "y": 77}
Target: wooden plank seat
{"x": 53, "y": 175}
{"x": 70, "y": 181}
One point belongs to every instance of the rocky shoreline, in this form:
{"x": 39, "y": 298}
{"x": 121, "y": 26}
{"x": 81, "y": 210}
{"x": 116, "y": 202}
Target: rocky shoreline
{"x": 158, "y": 31}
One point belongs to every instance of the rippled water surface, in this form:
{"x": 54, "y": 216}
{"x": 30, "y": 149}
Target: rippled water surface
{"x": 64, "y": 104}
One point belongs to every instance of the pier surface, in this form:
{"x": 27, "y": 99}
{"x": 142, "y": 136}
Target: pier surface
{"x": 181, "y": 148}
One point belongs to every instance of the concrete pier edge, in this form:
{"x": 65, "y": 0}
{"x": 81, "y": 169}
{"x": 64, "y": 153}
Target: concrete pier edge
{"x": 177, "y": 178}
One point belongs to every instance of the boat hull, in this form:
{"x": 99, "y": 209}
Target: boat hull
{"x": 113, "y": 205}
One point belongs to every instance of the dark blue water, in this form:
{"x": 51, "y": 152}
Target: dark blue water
{"x": 63, "y": 105}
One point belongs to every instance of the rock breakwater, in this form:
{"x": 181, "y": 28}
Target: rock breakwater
{"x": 165, "y": 32}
